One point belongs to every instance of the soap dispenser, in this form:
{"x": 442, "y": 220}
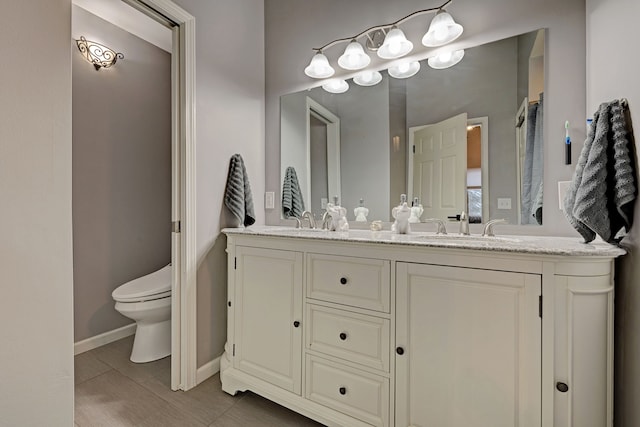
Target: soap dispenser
{"x": 416, "y": 211}
{"x": 361, "y": 212}
{"x": 401, "y": 214}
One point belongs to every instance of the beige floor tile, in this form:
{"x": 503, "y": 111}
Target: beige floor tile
{"x": 255, "y": 411}
{"x": 206, "y": 402}
{"x": 116, "y": 355}
{"x": 112, "y": 399}
{"x": 87, "y": 366}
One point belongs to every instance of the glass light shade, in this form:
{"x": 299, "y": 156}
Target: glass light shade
{"x": 368, "y": 78}
{"x": 354, "y": 57}
{"x": 336, "y": 86}
{"x": 446, "y": 59}
{"x": 395, "y": 45}
{"x": 404, "y": 69}
{"x": 443, "y": 29}
{"x": 319, "y": 67}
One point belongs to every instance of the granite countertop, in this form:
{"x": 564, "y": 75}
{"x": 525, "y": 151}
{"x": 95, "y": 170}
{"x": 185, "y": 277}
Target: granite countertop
{"x": 544, "y": 245}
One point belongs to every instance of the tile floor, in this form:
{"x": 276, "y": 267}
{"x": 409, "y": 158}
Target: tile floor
{"x": 112, "y": 391}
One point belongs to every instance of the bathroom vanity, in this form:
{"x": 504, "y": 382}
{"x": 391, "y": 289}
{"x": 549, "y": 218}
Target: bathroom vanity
{"x": 365, "y": 328}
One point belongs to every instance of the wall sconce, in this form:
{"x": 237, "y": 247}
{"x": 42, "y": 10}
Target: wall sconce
{"x": 97, "y": 54}
{"x": 389, "y": 42}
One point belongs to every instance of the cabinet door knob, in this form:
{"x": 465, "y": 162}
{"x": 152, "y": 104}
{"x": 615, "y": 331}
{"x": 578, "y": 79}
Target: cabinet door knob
{"x": 400, "y": 351}
{"x": 296, "y": 324}
{"x": 343, "y": 336}
{"x": 562, "y": 387}
{"x": 343, "y": 390}
{"x": 343, "y": 280}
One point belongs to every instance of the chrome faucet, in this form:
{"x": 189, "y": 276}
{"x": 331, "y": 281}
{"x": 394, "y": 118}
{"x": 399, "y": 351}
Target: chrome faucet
{"x": 442, "y": 229}
{"x": 464, "y": 224}
{"x": 309, "y": 216}
{"x": 325, "y": 220}
{"x": 488, "y": 227}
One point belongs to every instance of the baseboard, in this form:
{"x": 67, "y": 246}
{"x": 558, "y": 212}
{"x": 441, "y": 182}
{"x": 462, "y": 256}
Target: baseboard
{"x": 208, "y": 370}
{"x": 105, "y": 338}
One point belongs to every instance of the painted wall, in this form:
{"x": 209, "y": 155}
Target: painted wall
{"x": 611, "y": 74}
{"x": 289, "y": 43}
{"x": 36, "y": 312}
{"x": 121, "y": 171}
{"x": 229, "y": 119}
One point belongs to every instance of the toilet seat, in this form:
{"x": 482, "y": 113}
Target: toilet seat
{"x": 153, "y": 286}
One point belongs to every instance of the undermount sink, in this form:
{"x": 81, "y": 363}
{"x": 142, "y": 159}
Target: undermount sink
{"x": 468, "y": 238}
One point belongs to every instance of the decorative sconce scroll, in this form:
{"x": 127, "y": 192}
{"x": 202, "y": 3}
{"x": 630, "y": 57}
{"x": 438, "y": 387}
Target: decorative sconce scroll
{"x": 99, "y": 55}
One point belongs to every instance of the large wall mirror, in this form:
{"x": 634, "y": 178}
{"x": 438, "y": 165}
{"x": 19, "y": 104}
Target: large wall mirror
{"x": 466, "y": 138}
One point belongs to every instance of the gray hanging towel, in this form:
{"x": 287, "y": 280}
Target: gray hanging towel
{"x": 600, "y": 197}
{"x": 237, "y": 194}
{"x": 292, "y": 202}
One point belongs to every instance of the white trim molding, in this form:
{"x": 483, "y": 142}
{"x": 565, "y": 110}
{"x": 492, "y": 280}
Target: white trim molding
{"x": 208, "y": 370}
{"x": 183, "y": 328}
{"x": 103, "y": 339}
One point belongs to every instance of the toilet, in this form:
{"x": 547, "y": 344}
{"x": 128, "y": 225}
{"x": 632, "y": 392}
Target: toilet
{"x": 147, "y": 300}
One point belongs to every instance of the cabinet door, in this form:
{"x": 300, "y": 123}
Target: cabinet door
{"x": 268, "y": 316}
{"x": 468, "y": 347}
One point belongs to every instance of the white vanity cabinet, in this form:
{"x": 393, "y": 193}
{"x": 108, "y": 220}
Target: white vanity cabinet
{"x": 468, "y": 347}
{"x": 268, "y": 316}
{"x": 373, "y": 329}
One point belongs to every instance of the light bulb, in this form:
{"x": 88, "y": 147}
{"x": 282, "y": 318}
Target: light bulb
{"x": 354, "y": 57}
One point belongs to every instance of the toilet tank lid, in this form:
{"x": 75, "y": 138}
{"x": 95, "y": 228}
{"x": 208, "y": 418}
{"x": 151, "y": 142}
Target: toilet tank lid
{"x": 151, "y": 284}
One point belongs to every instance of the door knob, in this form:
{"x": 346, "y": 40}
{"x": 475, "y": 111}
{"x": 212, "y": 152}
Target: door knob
{"x": 296, "y": 324}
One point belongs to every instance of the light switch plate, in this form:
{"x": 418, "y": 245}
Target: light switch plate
{"x": 269, "y": 200}
{"x": 504, "y": 203}
{"x": 563, "y": 186}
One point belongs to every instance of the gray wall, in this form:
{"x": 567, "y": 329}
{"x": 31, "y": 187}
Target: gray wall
{"x": 317, "y": 23}
{"x": 229, "y": 119}
{"x": 36, "y": 315}
{"x": 483, "y": 84}
{"x": 121, "y": 171}
{"x": 610, "y": 27}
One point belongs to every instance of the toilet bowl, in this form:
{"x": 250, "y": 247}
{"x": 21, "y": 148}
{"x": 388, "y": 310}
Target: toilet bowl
{"x": 147, "y": 300}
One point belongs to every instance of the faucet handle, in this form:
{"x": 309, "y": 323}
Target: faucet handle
{"x": 441, "y": 227}
{"x": 488, "y": 227}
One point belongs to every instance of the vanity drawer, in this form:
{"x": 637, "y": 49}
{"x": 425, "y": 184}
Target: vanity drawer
{"x": 356, "y": 393}
{"x": 358, "y": 282}
{"x": 351, "y": 336}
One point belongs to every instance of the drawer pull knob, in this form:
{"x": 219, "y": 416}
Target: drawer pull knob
{"x": 343, "y": 280}
{"x": 343, "y": 390}
{"x": 296, "y": 324}
{"x": 562, "y": 387}
{"x": 400, "y": 351}
{"x": 343, "y": 336}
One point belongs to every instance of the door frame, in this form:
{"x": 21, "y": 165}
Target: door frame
{"x": 183, "y": 187}
{"x": 317, "y": 110}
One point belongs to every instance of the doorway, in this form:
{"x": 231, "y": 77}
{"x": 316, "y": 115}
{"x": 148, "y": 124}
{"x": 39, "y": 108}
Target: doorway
{"x": 448, "y": 167}
{"x": 183, "y": 232}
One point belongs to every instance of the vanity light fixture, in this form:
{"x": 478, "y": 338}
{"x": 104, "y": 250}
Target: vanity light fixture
{"x": 354, "y": 57}
{"x": 387, "y": 40}
{"x": 336, "y": 86}
{"x": 404, "y": 69}
{"x": 99, "y": 55}
{"x": 395, "y": 45}
{"x": 368, "y": 78}
{"x": 446, "y": 59}
{"x": 443, "y": 30}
